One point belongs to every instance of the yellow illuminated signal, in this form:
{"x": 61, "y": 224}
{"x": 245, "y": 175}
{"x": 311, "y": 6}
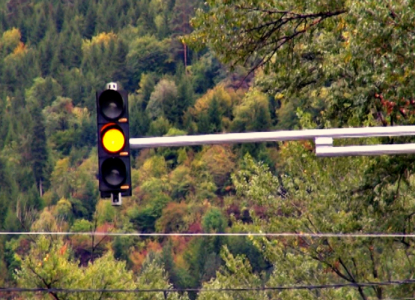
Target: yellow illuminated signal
{"x": 113, "y": 140}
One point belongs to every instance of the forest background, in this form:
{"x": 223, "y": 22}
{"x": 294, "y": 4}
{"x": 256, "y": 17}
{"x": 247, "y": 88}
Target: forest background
{"x": 194, "y": 67}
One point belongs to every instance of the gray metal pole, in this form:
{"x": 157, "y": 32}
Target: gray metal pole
{"x": 255, "y": 137}
{"x": 383, "y": 149}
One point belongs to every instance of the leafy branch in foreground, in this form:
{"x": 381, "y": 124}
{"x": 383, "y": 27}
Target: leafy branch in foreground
{"x": 252, "y": 32}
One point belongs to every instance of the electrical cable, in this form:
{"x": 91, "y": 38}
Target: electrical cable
{"x": 399, "y": 298}
{"x": 243, "y": 289}
{"x": 246, "y": 234}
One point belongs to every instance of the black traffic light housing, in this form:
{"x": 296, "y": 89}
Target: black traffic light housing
{"x": 113, "y": 144}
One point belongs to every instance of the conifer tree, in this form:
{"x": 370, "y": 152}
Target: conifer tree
{"x": 214, "y": 116}
{"x": 39, "y": 150}
{"x": 91, "y": 22}
{"x": 60, "y": 16}
{"x": 185, "y": 94}
{"x": 120, "y": 71}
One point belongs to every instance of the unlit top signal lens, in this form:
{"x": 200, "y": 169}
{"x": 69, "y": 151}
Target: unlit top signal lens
{"x": 113, "y": 140}
{"x": 111, "y": 104}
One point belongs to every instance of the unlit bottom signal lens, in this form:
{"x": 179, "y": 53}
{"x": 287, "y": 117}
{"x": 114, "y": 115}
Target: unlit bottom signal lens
{"x": 114, "y": 172}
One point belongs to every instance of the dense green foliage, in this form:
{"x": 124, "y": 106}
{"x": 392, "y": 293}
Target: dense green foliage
{"x": 247, "y": 66}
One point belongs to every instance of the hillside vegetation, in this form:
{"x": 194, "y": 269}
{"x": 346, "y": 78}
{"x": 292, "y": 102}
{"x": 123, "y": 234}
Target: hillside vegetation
{"x": 195, "y": 67}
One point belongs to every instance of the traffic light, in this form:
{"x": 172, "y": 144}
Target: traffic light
{"x": 113, "y": 144}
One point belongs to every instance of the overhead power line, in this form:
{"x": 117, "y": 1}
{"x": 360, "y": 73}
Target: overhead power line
{"x": 241, "y": 289}
{"x": 412, "y": 298}
{"x": 227, "y": 234}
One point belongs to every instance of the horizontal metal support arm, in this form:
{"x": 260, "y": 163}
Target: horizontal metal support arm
{"x": 256, "y": 137}
{"x": 365, "y": 150}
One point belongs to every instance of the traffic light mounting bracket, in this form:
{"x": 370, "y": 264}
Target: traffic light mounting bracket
{"x": 116, "y": 199}
{"x": 112, "y": 86}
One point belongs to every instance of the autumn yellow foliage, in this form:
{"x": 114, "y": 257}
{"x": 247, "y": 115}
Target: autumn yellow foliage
{"x": 102, "y": 38}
